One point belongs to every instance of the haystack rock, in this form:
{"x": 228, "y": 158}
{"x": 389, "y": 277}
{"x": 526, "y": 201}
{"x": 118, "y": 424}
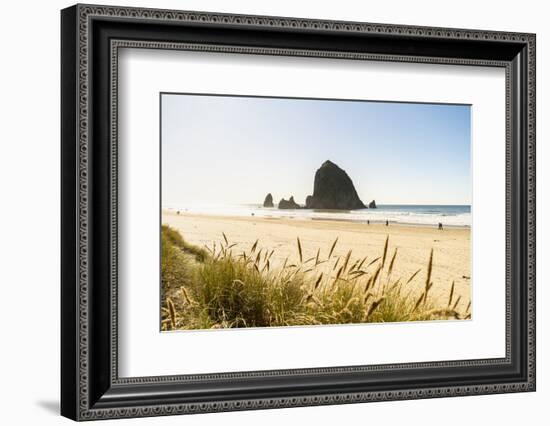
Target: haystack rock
{"x": 372, "y": 204}
{"x": 333, "y": 189}
{"x": 268, "y": 202}
{"x": 288, "y": 204}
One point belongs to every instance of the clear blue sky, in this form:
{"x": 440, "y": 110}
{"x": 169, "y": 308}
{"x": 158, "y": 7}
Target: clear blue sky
{"x": 235, "y": 150}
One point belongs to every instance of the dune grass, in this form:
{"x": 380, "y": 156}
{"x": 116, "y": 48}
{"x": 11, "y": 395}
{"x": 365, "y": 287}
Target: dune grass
{"x": 174, "y": 238}
{"x": 220, "y": 287}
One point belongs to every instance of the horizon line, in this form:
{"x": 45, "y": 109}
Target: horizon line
{"x": 378, "y": 204}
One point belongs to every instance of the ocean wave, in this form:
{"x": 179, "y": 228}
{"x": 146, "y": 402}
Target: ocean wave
{"x": 410, "y": 215}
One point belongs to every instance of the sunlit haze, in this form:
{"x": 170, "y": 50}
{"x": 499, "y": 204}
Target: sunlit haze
{"x": 220, "y": 149}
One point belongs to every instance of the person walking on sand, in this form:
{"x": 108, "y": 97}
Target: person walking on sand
{"x": 387, "y": 223}
{"x": 440, "y": 226}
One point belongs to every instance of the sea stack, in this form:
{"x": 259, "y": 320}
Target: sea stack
{"x": 372, "y": 204}
{"x": 333, "y": 189}
{"x": 268, "y": 202}
{"x": 288, "y": 204}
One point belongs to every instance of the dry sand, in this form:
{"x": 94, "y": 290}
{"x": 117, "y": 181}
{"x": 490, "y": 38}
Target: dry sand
{"x": 452, "y": 249}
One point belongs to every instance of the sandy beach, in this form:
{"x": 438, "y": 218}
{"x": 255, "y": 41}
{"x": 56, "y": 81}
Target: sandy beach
{"x": 451, "y": 261}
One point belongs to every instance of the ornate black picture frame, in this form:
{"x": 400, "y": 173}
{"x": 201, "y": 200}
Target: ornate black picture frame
{"x": 91, "y": 36}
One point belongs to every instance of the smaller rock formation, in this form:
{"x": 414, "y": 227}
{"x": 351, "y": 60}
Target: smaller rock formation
{"x": 268, "y": 202}
{"x": 372, "y": 204}
{"x": 288, "y": 204}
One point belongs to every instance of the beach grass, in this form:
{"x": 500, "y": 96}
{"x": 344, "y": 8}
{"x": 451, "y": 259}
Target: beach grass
{"x": 174, "y": 238}
{"x": 224, "y": 286}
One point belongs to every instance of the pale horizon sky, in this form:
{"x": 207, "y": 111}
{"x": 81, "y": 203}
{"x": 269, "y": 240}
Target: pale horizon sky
{"x": 235, "y": 150}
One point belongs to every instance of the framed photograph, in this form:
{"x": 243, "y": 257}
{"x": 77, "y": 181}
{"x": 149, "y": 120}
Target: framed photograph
{"x": 263, "y": 212}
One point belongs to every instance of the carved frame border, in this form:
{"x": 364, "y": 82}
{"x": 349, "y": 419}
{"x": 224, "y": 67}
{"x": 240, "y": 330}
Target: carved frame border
{"x": 87, "y": 12}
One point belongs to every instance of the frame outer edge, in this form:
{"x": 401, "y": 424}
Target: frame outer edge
{"x": 69, "y": 191}
{"x": 81, "y": 365}
{"x": 531, "y": 213}
{"x": 83, "y": 60}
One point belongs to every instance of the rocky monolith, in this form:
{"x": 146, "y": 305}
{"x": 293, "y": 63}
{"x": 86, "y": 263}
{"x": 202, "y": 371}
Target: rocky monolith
{"x": 268, "y": 202}
{"x": 333, "y": 189}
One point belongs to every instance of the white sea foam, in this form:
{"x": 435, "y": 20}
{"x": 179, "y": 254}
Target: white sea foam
{"x": 428, "y": 215}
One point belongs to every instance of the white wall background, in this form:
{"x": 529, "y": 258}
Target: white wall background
{"x": 29, "y": 216}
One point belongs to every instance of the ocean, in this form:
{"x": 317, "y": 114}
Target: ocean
{"x": 408, "y": 214}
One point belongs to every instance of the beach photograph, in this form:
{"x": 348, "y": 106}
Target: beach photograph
{"x": 281, "y": 212}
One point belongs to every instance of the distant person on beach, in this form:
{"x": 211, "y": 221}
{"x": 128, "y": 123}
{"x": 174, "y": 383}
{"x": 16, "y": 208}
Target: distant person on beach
{"x": 178, "y": 212}
{"x": 387, "y": 223}
{"x": 368, "y": 222}
{"x": 440, "y": 226}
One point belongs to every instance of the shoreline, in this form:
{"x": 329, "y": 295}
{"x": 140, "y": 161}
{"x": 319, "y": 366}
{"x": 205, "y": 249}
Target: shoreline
{"x": 316, "y": 219}
{"x": 392, "y": 223}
